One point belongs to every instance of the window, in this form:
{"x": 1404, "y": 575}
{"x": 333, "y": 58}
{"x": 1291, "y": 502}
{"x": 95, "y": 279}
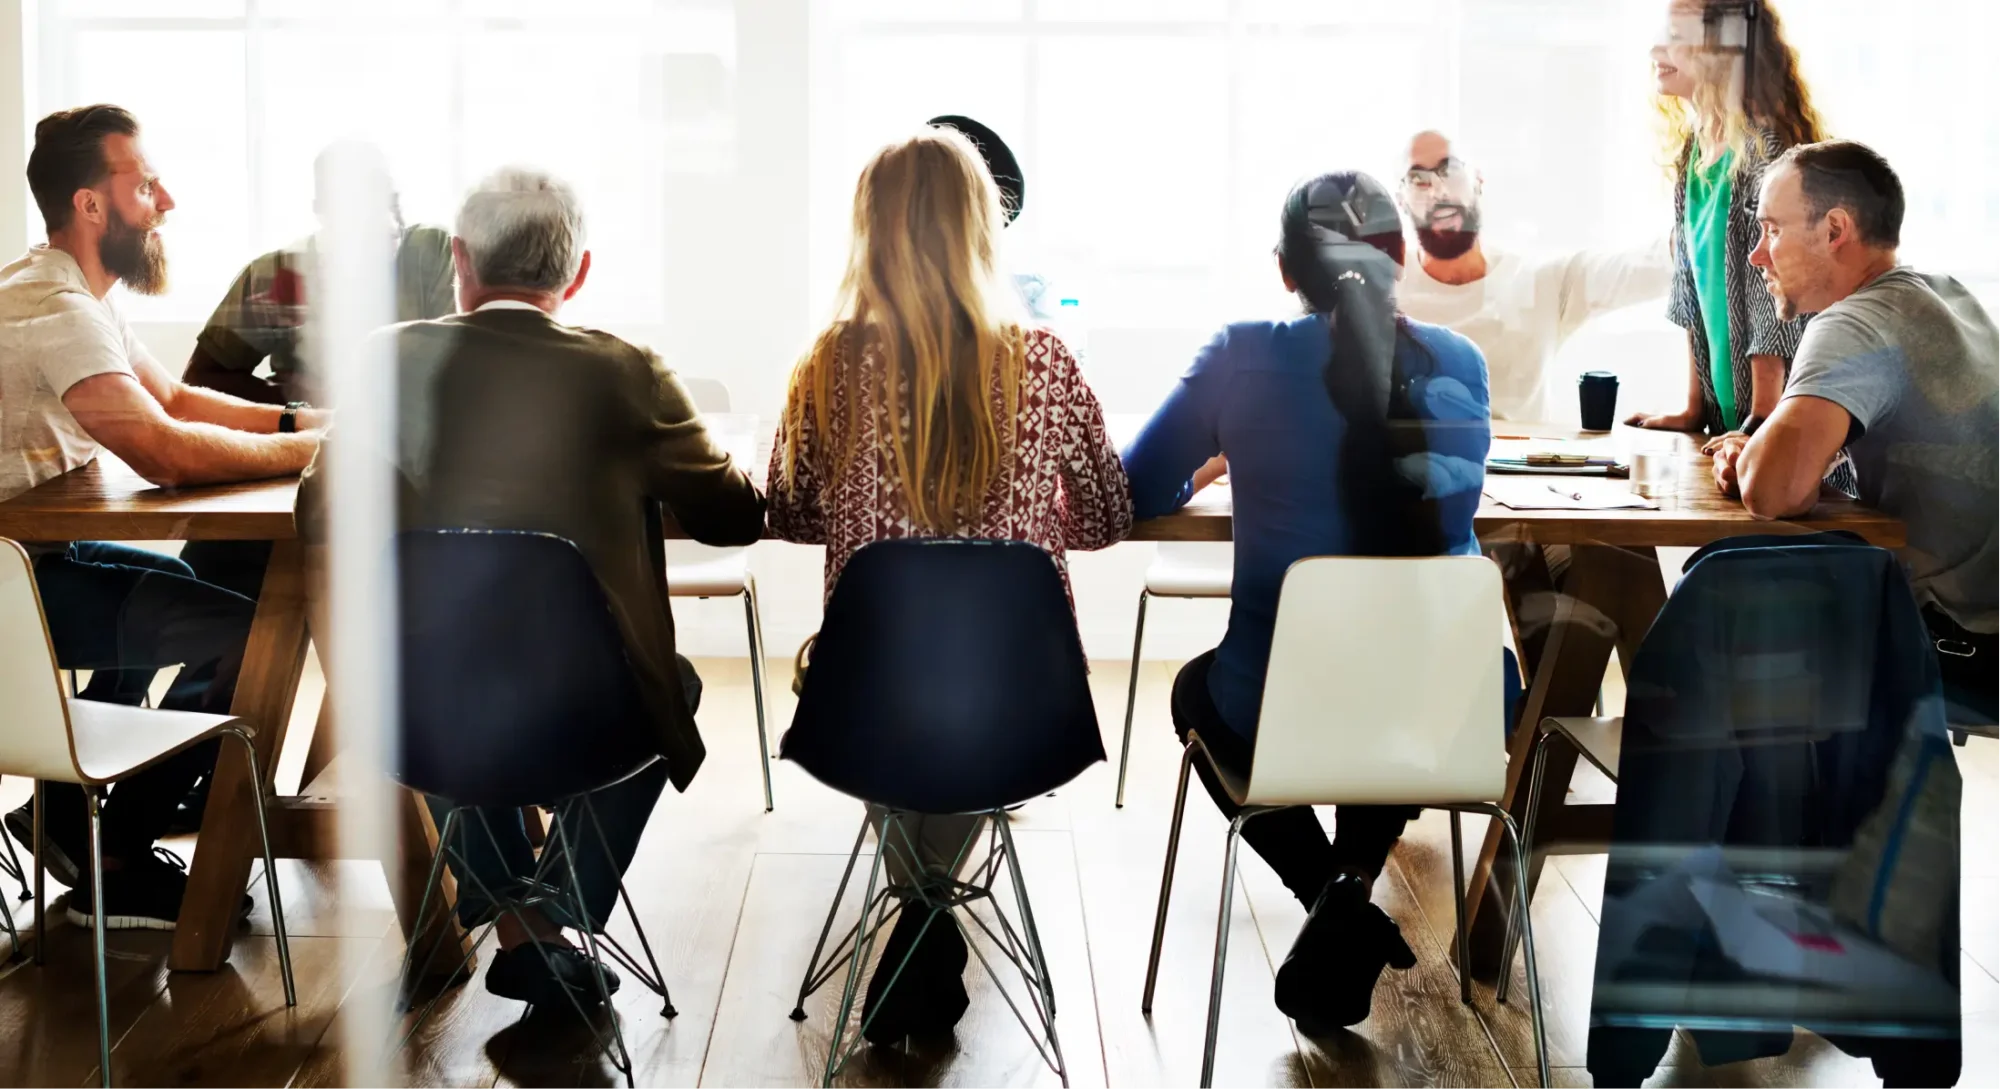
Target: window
{"x": 238, "y": 96}
{"x": 1158, "y": 138}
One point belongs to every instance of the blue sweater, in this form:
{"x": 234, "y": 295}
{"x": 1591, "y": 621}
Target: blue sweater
{"x": 1257, "y": 393}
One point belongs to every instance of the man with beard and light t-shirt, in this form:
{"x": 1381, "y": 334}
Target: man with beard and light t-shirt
{"x": 1518, "y": 309}
{"x": 74, "y": 383}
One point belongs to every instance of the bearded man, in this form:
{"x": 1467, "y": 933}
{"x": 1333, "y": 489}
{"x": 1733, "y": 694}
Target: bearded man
{"x": 1518, "y": 309}
{"x": 75, "y": 382}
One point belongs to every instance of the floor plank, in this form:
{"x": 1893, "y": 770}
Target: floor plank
{"x": 733, "y": 898}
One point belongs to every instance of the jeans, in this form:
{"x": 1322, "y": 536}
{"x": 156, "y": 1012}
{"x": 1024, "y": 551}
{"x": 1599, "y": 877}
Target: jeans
{"x": 1290, "y": 840}
{"x": 124, "y": 613}
{"x": 236, "y": 566}
{"x": 504, "y": 861}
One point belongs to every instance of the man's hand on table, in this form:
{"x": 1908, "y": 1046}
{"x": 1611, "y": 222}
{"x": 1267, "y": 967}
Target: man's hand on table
{"x": 1712, "y": 445}
{"x": 1726, "y": 450}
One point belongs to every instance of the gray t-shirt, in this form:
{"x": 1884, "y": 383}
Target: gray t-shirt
{"x": 1912, "y": 358}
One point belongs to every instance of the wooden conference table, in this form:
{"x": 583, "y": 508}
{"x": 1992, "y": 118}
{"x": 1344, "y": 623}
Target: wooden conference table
{"x": 1565, "y": 633}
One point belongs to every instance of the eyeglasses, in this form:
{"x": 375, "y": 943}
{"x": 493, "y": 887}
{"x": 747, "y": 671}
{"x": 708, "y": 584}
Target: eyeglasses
{"x": 1425, "y": 177}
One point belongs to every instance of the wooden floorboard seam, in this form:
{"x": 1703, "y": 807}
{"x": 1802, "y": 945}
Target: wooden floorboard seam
{"x": 1090, "y": 962}
{"x": 735, "y": 932}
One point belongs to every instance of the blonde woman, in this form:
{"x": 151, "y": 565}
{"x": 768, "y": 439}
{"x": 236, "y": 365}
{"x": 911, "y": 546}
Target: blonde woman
{"x": 928, "y": 408}
{"x": 1733, "y": 100}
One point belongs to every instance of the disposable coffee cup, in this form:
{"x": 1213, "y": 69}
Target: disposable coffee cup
{"x": 1597, "y": 399}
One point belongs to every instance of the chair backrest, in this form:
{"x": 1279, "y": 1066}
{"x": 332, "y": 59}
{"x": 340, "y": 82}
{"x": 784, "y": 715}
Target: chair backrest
{"x": 36, "y": 740}
{"x": 1783, "y": 673}
{"x": 947, "y": 678}
{"x": 516, "y": 688}
{"x": 708, "y": 394}
{"x": 1384, "y": 685}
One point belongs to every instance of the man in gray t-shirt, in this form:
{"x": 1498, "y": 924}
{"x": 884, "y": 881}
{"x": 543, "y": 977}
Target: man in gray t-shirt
{"x": 1901, "y": 367}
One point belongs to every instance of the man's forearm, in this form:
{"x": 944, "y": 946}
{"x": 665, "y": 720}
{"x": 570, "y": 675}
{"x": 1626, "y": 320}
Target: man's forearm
{"x": 197, "y": 453}
{"x": 194, "y": 405}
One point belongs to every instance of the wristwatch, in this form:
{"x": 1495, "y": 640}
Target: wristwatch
{"x": 288, "y": 420}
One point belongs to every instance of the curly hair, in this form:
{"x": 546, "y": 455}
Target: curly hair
{"x": 1742, "y": 91}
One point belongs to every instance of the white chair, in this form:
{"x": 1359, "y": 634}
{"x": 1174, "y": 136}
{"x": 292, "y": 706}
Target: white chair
{"x": 699, "y": 571}
{"x": 1384, "y": 688}
{"x": 58, "y": 739}
{"x": 1179, "y": 569}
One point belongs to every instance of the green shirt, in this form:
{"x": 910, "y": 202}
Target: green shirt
{"x": 1708, "y": 192}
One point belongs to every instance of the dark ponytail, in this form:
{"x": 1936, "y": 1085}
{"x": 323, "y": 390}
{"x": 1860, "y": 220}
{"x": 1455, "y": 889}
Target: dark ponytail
{"x": 1341, "y": 244}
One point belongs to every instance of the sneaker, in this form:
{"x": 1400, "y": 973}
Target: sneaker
{"x": 1327, "y": 981}
{"x": 521, "y": 974}
{"x": 929, "y": 997}
{"x": 21, "y": 825}
{"x": 187, "y": 815}
{"x": 143, "y": 895}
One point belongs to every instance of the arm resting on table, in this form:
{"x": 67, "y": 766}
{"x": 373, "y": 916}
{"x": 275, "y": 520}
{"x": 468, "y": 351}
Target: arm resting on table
{"x": 1780, "y": 468}
{"x": 171, "y": 452}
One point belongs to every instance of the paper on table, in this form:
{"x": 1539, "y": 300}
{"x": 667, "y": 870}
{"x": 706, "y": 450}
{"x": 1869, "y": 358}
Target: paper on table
{"x": 1570, "y": 493}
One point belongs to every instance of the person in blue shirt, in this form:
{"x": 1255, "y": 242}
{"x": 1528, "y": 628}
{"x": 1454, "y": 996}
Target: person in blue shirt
{"x": 1349, "y": 430}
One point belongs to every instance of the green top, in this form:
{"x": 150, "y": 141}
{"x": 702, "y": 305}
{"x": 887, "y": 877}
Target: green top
{"x": 1708, "y": 191}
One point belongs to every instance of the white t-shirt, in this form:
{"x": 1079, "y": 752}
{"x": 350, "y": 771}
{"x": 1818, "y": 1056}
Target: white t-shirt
{"x": 53, "y": 334}
{"x": 1524, "y": 308}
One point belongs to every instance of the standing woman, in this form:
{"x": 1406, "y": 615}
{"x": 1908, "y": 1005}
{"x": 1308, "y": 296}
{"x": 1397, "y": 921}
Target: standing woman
{"x": 929, "y": 408}
{"x": 1732, "y": 100}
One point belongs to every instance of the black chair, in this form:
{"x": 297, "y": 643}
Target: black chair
{"x": 516, "y": 692}
{"x": 947, "y": 679}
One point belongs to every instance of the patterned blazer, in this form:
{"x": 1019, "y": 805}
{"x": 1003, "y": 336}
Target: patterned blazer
{"x": 1754, "y": 328}
{"x": 1061, "y": 487}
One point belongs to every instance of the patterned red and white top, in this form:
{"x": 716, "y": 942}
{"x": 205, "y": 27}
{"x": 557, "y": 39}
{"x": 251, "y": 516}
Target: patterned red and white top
{"x": 1062, "y": 487}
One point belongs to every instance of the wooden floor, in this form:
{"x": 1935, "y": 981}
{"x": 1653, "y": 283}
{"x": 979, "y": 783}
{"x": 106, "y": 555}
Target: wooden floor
{"x": 733, "y": 899}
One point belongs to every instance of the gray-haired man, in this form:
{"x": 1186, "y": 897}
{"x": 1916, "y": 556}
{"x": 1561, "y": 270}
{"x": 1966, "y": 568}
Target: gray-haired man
{"x": 510, "y": 419}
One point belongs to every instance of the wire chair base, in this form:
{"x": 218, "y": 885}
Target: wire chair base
{"x": 537, "y": 891}
{"x": 950, "y": 899}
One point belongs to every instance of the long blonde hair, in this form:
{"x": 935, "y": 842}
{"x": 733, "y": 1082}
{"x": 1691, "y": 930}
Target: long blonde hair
{"x": 1735, "y": 103}
{"x": 922, "y": 293}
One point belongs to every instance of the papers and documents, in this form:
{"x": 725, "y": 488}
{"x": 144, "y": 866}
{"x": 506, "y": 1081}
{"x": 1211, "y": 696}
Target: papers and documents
{"x": 1567, "y": 493}
{"x": 1552, "y": 456}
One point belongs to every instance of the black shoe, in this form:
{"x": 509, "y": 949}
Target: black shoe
{"x": 21, "y": 825}
{"x": 523, "y": 975}
{"x": 929, "y": 997}
{"x": 1327, "y": 981}
{"x": 187, "y": 815}
{"x": 144, "y": 894}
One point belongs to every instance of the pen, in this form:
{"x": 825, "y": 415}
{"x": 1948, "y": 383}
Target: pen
{"x": 1578, "y": 496}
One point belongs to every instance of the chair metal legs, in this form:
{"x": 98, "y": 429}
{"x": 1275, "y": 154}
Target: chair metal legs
{"x": 1535, "y": 773}
{"x": 93, "y": 801}
{"x": 1458, "y": 901}
{"x": 41, "y": 893}
{"x": 1224, "y": 911}
{"x": 566, "y": 896}
{"x": 1131, "y": 696}
{"x": 753, "y": 619}
{"x": 270, "y": 869}
{"x": 1527, "y": 934}
{"x": 1167, "y": 881}
{"x": 951, "y": 901}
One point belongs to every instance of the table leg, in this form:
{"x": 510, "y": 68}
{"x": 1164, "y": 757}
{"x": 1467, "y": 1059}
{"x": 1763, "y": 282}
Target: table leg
{"x": 1608, "y": 599}
{"x": 273, "y": 659}
{"x": 324, "y": 745}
